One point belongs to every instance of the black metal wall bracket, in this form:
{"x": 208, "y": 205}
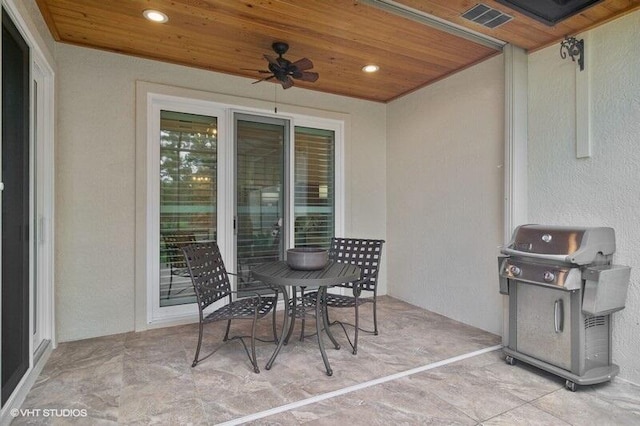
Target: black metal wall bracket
{"x": 573, "y": 48}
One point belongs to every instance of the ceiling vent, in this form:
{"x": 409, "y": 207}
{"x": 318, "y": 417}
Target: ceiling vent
{"x": 486, "y": 16}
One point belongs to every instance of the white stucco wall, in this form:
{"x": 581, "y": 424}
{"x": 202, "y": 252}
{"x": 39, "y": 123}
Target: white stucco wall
{"x": 603, "y": 190}
{"x": 444, "y": 190}
{"x": 95, "y": 182}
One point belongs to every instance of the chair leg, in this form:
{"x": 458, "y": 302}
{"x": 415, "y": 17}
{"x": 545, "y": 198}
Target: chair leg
{"x": 375, "y": 316}
{"x": 302, "y": 330}
{"x": 355, "y": 339}
{"x": 254, "y": 361}
{"x": 304, "y": 313}
{"x": 195, "y": 359}
{"x": 226, "y": 334}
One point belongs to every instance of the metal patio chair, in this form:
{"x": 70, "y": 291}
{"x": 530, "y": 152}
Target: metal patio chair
{"x": 211, "y": 284}
{"x": 366, "y": 254}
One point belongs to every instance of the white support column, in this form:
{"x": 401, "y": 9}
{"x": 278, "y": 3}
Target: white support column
{"x": 515, "y": 149}
{"x": 515, "y": 134}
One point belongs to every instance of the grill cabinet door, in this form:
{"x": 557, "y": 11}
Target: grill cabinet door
{"x": 543, "y": 324}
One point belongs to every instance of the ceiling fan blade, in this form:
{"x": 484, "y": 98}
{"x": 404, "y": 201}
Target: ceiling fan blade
{"x": 273, "y": 61}
{"x": 308, "y": 76}
{"x": 286, "y": 82}
{"x": 264, "y": 79}
{"x": 260, "y": 71}
{"x": 303, "y": 64}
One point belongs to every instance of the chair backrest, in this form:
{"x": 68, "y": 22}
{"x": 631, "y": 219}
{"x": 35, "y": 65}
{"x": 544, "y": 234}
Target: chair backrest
{"x": 208, "y": 274}
{"x": 174, "y": 243}
{"x": 361, "y": 252}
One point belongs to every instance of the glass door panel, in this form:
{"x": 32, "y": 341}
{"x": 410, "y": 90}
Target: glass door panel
{"x": 260, "y": 192}
{"x": 188, "y": 197}
{"x": 314, "y": 182}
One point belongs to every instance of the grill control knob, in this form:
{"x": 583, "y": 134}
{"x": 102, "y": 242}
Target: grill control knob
{"x": 549, "y": 276}
{"x": 515, "y": 271}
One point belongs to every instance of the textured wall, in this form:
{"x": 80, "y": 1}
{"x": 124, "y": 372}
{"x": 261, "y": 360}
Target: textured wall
{"x": 445, "y": 185}
{"x": 95, "y": 177}
{"x": 602, "y": 190}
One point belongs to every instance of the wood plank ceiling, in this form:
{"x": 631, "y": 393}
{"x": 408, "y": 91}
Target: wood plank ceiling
{"x": 339, "y": 36}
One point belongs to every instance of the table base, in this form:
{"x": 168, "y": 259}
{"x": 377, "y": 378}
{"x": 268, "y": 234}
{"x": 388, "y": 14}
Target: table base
{"x": 288, "y": 327}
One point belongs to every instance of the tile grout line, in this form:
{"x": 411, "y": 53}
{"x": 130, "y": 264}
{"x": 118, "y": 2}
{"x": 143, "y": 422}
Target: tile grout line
{"x": 353, "y": 388}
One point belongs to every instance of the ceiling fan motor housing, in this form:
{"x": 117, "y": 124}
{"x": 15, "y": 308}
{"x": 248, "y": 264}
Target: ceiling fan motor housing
{"x": 280, "y": 72}
{"x": 280, "y": 47}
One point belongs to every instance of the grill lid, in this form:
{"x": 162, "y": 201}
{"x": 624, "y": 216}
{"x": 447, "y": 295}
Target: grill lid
{"x": 577, "y": 245}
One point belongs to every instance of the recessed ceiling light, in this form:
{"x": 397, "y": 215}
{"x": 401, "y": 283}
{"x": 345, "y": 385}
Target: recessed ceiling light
{"x": 370, "y": 68}
{"x": 155, "y": 16}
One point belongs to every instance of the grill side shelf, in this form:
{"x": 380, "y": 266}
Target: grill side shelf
{"x": 605, "y": 289}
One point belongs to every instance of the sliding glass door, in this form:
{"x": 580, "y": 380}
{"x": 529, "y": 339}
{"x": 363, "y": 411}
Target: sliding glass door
{"x": 261, "y": 144}
{"x": 188, "y": 197}
{"x": 26, "y": 199}
{"x": 256, "y": 184}
{"x": 16, "y": 205}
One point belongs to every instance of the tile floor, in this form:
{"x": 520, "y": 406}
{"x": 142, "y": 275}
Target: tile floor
{"x": 146, "y": 378}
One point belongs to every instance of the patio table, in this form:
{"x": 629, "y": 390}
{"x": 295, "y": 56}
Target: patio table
{"x": 279, "y": 274}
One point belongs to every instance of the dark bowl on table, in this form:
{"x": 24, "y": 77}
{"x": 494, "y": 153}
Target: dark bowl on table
{"x": 307, "y": 258}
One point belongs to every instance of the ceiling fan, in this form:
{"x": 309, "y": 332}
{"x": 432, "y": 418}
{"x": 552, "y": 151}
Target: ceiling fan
{"x": 284, "y": 70}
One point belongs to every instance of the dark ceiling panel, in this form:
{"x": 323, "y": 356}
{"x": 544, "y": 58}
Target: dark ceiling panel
{"x": 549, "y": 12}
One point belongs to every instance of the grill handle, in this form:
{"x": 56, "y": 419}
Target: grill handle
{"x": 558, "y": 316}
{"x": 554, "y": 257}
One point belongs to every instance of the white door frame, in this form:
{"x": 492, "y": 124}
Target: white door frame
{"x": 148, "y": 315}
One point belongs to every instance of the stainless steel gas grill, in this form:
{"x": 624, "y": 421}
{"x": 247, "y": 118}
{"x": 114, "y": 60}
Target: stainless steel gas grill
{"x": 562, "y": 289}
